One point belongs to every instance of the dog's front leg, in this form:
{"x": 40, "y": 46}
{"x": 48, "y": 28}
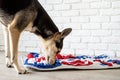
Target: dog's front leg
{"x": 7, "y": 46}
{"x": 14, "y": 35}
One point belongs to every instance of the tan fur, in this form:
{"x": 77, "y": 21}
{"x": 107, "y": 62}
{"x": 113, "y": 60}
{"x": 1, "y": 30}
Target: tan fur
{"x": 23, "y": 20}
{"x": 49, "y": 48}
{"x": 57, "y": 36}
{"x": 7, "y": 44}
{"x": 13, "y": 37}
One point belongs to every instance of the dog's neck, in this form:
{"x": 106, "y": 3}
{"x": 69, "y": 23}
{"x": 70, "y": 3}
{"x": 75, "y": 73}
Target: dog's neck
{"x": 44, "y": 24}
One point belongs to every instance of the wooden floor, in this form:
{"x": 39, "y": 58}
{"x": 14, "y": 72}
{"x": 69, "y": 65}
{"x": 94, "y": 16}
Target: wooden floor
{"x": 10, "y": 73}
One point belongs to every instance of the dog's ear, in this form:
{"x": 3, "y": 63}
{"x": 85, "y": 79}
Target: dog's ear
{"x": 65, "y": 32}
{"x": 57, "y": 36}
{"x": 62, "y": 35}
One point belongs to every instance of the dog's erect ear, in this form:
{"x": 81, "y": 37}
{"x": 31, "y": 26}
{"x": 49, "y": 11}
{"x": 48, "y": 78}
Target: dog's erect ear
{"x": 65, "y": 32}
{"x": 57, "y": 36}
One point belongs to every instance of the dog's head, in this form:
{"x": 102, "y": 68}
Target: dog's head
{"x": 53, "y": 45}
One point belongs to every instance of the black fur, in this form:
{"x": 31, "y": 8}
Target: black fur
{"x": 20, "y": 15}
{"x": 45, "y": 25}
{"x": 59, "y": 44}
{"x": 13, "y": 6}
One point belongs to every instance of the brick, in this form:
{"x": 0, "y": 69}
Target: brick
{"x": 42, "y": 1}
{"x": 116, "y": 33}
{"x": 61, "y": 19}
{"x": 78, "y": 46}
{"x": 91, "y": 26}
{"x": 80, "y": 6}
{"x": 54, "y": 1}
{"x": 117, "y": 53}
{"x": 115, "y": 18}
{"x": 2, "y": 42}
{"x": 113, "y": 40}
{"x": 111, "y": 0}
{"x": 90, "y": 40}
{"x": 1, "y": 32}
{"x": 80, "y": 19}
{"x": 70, "y": 13}
{"x": 72, "y": 39}
{"x": 55, "y": 13}
{"x": 62, "y": 7}
{"x": 100, "y": 33}
{"x": 111, "y": 26}
{"x": 95, "y": 24}
{"x": 116, "y": 4}
{"x": 22, "y": 49}
{"x": 73, "y": 25}
{"x": 66, "y": 45}
{"x": 24, "y": 38}
{"x": 109, "y": 12}
{"x": 60, "y": 26}
{"x": 84, "y": 52}
{"x": 114, "y": 47}
{"x": 81, "y": 33}
{"x": 1, "y": 37}
{"x": 71, "y": 1}
{"x": 34, "y": 38}
{"x": 99, "y": 19}
{"x": 31, "y": 49}
{"x": 21, "y": 43}
{"x": 100, "y": 5}
{"x": 29, "y": 43}
{"x": 48, "y": 7}
{"x": 67, "y": 51}
{"x": 97, "y": 46}
{"x": 89, "y": 12}
{"x": 2, "y": 48}
{"x": 101, "y": 52}
{"x": 91, "y": 0}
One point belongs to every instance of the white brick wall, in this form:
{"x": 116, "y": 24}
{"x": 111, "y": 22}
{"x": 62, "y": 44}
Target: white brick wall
{"x": 95, "y": 24}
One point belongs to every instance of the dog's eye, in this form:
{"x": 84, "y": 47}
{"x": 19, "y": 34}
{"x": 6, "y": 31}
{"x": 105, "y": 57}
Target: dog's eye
{"x": 59, "y": 44}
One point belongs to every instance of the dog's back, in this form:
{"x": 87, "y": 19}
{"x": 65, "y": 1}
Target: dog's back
{"x": 13, "y": 6}
{"x": 9, "y": 8}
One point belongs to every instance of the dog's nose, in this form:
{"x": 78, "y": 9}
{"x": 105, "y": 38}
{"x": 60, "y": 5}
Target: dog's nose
{"x": 58, "y": 52}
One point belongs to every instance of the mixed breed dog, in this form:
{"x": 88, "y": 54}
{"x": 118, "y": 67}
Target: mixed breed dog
{"x": 28, "y": 15}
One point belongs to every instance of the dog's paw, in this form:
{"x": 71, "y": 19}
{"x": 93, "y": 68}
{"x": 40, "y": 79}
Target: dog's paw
{"x": 9, "y": 65}
{"x": 22, "y": 71}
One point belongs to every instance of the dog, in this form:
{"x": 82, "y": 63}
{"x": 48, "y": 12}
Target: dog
{"x": 28, "y": 15}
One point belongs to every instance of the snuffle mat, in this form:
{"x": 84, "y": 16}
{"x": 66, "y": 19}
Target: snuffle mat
{"x": 38, "y": 62}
